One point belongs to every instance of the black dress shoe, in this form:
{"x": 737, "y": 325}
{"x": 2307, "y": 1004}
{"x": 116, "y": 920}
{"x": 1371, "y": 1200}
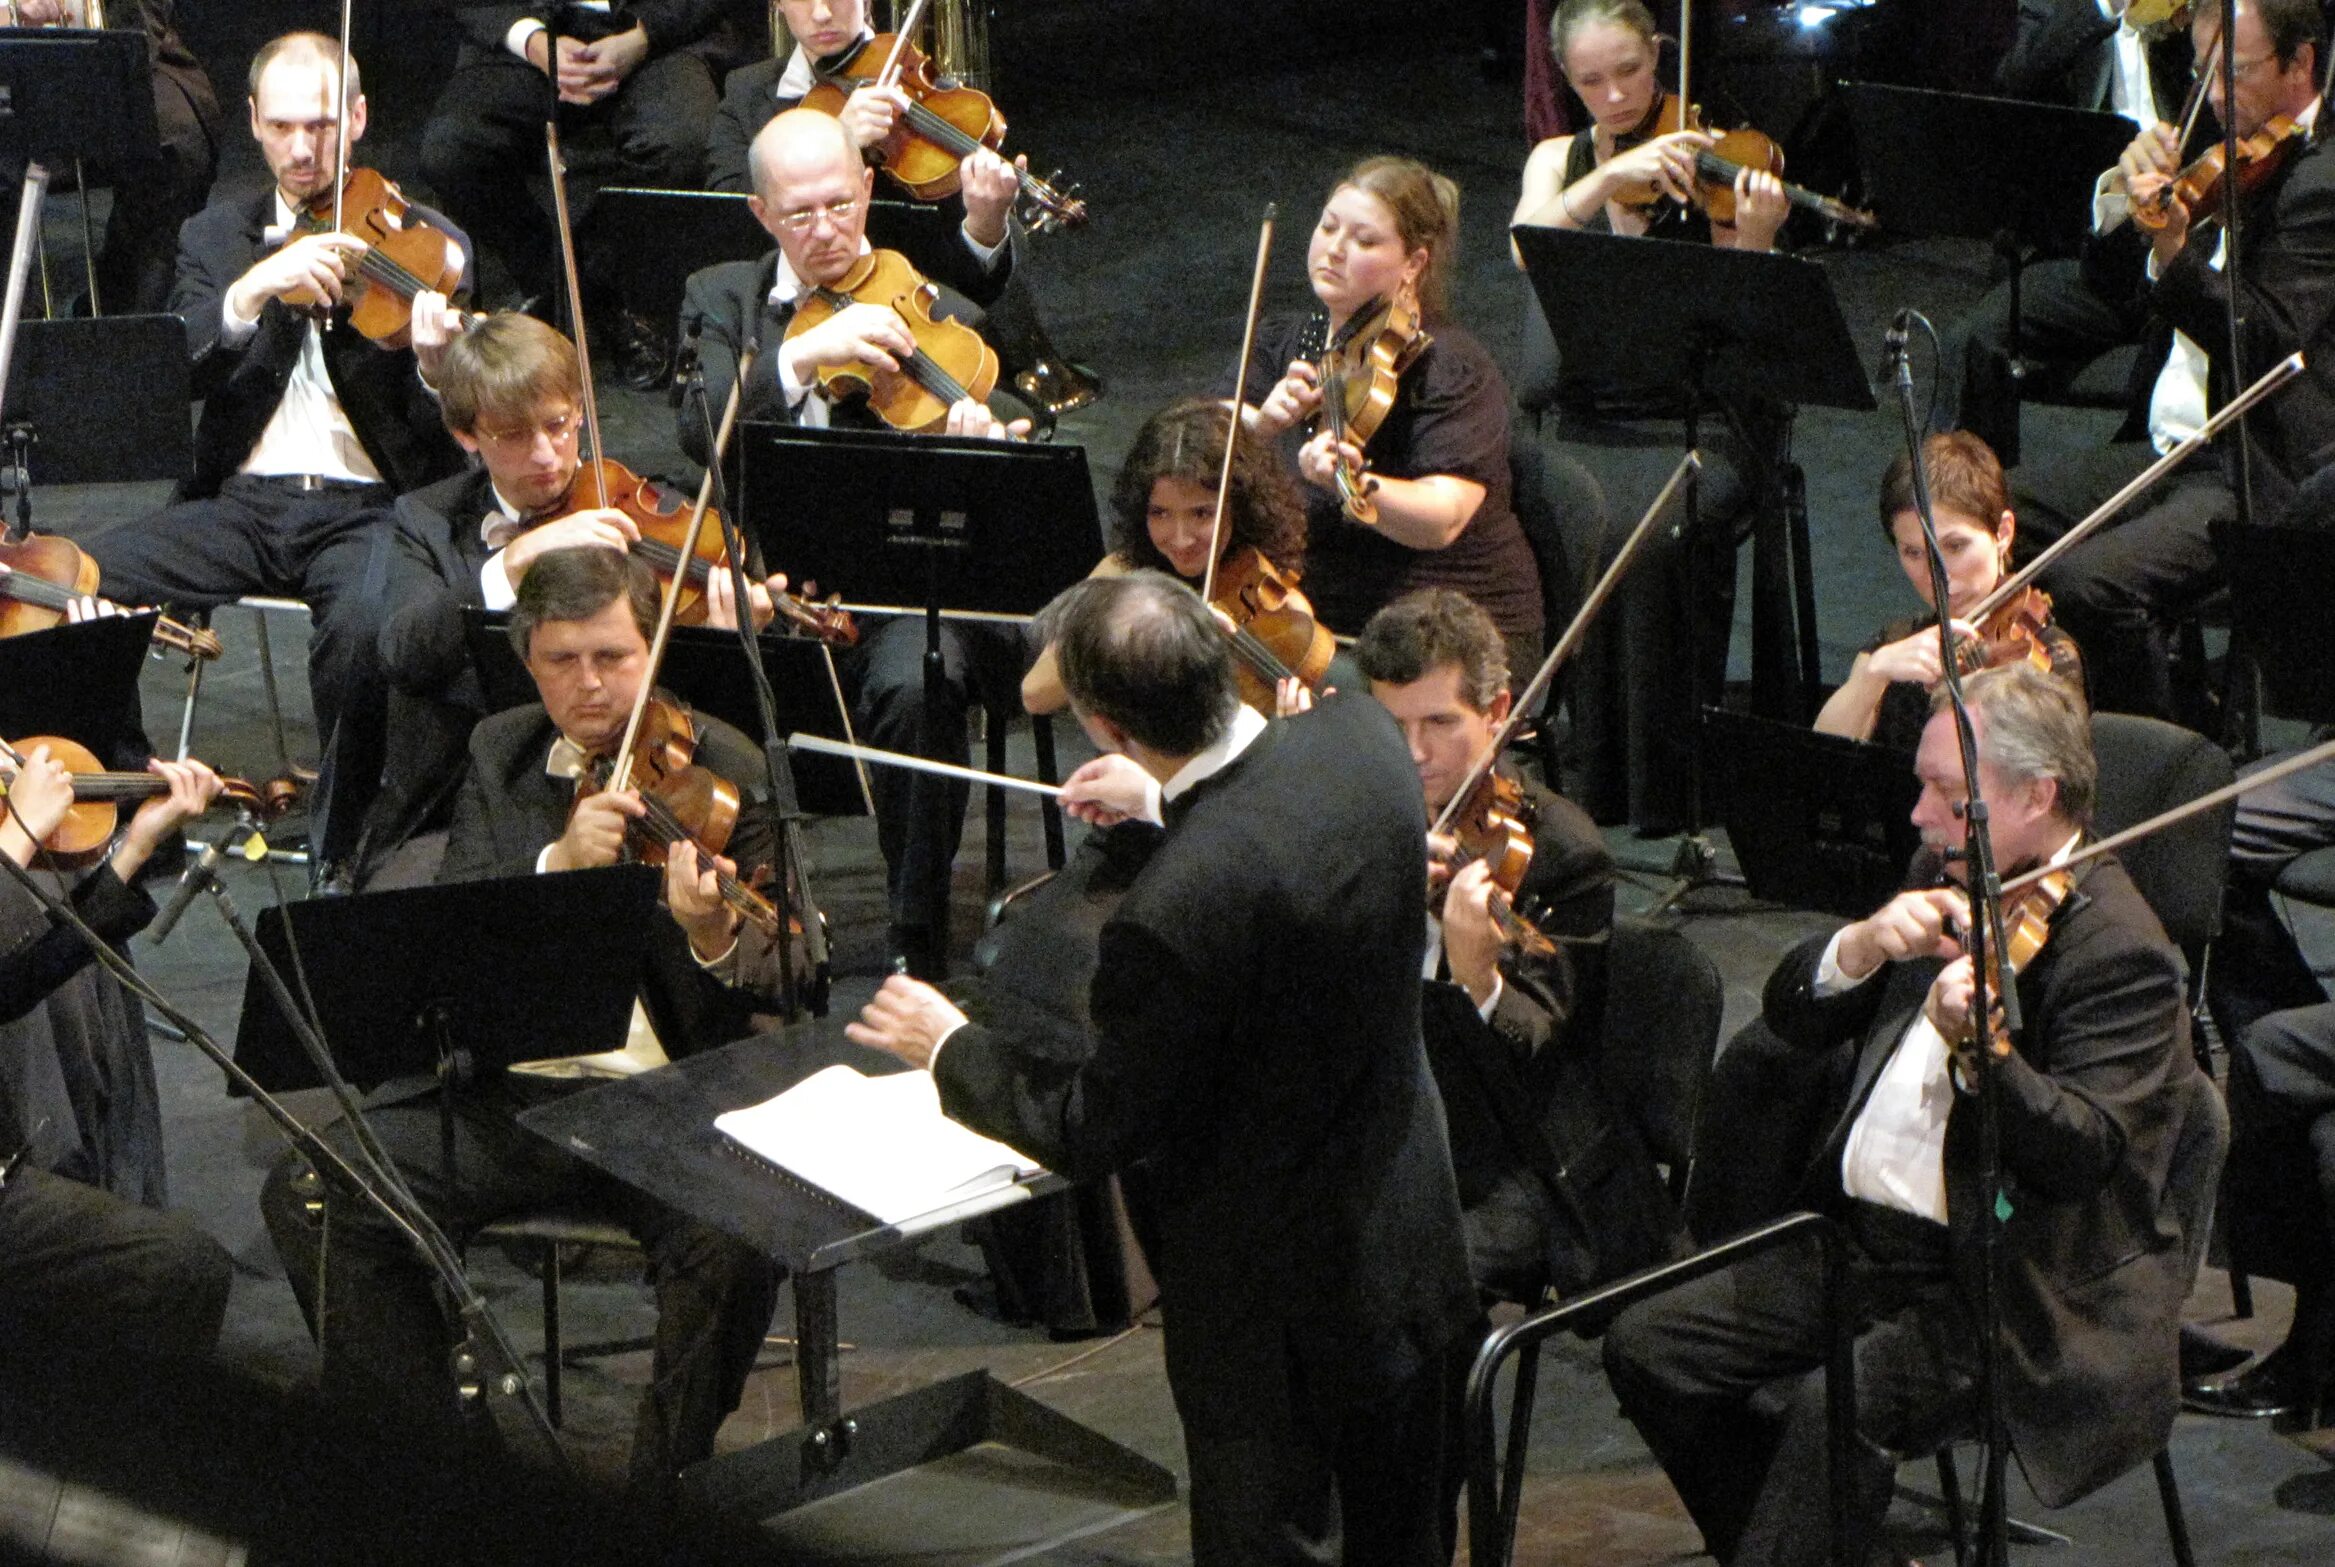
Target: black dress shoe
{"x": 2261, "y": 1393}
{"x": 2203, "y": 1356}
{"x": 644, "y": 352}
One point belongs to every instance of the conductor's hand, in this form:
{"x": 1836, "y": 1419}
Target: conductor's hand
{"x": 193, "y": 788}
{"x": 907, "y": 1018}
{"x": 595, "y": 834}
{"x": 693, "y": 893}
{"x": 593, "y": 529}
{"x": 1295, "y": 396}
{"x": 1919, "y": 924}
{"x": 1109, "y": 790}
{"x": 871, "y": 335}
{"x": 1915, "y": 658}
{"x": 312, "y": 267}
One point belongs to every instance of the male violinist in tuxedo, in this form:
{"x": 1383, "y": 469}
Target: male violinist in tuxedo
{"x": 581, "y": 624}
{"x": 510, "y": 390}
{"x": 1555, "y": 1185}
{"x": 308, "y": 429}
{"x": 2094, "y": 1268}
{"x": 1255, "y": 1020}
{"x": 811, "y": 193}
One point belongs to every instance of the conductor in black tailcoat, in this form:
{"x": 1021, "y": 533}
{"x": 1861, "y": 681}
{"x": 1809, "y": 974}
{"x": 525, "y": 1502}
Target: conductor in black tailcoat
{"x": 1255, "y": 1012}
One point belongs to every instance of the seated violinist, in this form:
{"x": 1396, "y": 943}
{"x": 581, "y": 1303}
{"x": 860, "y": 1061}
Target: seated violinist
{"x": 1886, "y": 697}
{"x": 1163, "y": 514}
{"x": 811, "y": 193}
{"x": 511, "y": 393}
{"x": 1555, "y": 1186}
{"x": 581, "y": 624}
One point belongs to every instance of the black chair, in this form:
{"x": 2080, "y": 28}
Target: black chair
{"x": 1562, "y": 512}
{"x": 2147, "y": 766}
{"x": 1663, "y": 1001}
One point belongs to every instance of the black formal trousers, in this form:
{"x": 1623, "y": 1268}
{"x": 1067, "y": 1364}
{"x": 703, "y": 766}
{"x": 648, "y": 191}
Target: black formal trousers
{"x": 261, "y": 535}
{"x": 385, "y": 1334}
{"x": 1752, "y": 1470}
{"x": 482, "y": 151}
{"x": 2121, "y": 591}
{"x": 2281, "y": 1172}
{"x": 2257, "y": 967}
{"x": 2065, "y": 323}
{"x": 85, "y": 1269}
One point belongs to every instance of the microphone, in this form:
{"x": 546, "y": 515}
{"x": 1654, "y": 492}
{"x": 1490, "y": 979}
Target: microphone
{"x": 686, "y": 362}
{"x": 191, "y": 883}
{"x": 1893, "y": 344}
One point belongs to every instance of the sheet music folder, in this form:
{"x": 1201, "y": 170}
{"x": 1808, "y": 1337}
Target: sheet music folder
{"x": 1958, "y": 164}
{"x": 78, "y": 682}
{"x": 1816, "y": 821}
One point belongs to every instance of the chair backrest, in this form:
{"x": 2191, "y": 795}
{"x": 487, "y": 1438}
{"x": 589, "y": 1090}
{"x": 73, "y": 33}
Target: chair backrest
{"x": 2147, "y": 766}
{"x": 1663, "y": 1001}
{"x": 2196, "y": 1170}
{"x": 1540, "y": 512}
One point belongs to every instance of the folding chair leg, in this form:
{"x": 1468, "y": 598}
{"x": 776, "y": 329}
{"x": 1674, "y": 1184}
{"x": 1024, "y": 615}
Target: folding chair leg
{"x": 1957, "y": 1519}
{"x": 993, "y": 803}
{"x": 267, "y": 675}
{"x": 186, "y": 717}
{"x": 2176, "y": 1526}
{"x": 551, "y": 1346}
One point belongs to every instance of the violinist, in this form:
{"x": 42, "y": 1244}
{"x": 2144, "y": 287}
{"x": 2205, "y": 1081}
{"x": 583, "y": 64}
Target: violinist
{"x": 1722, "y": 1376}
{"x": 2121, "y": 590}
{"x": 1555, "y": 1187}
{"x": 1436, "y": 470}
{"x": 510, "y": 390}
{"x": 1163, "y": 513}
{"x": 308, "y": 431}
{"x": 1886, "y": 697}
{"x": 582, "y": 625}
{"x": 89, "y": 1257}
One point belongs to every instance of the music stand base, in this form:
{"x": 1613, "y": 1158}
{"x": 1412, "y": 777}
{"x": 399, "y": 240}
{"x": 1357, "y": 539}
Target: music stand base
{"x": 1694, "y": 866}
{"x": 898, "y": 1434}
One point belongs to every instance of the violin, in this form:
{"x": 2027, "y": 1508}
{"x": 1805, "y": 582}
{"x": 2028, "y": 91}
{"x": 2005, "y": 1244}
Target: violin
{"x": 663, "y": 520}
{"x": 1275, "y": 636}
{"x": 2027, "y": 914}
{"x": 684, "y": 802}
{"x": 403, "y": 256}
{"x": 944, "y": 123}
{"x": 1361, "y": 370}
{"x": 1717, "y": 165}
{"x": 1494, "y": 824}
{"x": 90, "y": 821}
{"x": 2199, "y": 186}
{"x": 951, "y": 362}
{"x": 2011, "y": 633}
{"x": 46, "y": 574}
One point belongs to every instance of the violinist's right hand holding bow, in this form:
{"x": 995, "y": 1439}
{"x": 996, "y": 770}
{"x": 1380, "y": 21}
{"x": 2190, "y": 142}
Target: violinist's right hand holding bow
{"x": 1915, "y": 658}
{"x": 860, "y": 334}
{"x": 312, "y": 267}
{"x": 596, "y": 528}
{"x": 2150, "y": 162}
{"x": 1471, "y": 940}
{"x": 1919, "y": 924}
{"x": 1667, "y": 163}
{"x": 1293, "y": 398}
{"x": 595, "y": 831}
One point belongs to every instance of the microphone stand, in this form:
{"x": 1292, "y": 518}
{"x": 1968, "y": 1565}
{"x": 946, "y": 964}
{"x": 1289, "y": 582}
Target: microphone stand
{"x": 1985, "y": 932}
{"x": 485, "y": 1361}
{"x": 2242, "y": 477}
{"x": 793, "y": 875}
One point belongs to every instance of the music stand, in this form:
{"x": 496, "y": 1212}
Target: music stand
{"x": 2278, "y": 577}
{"x": 78, "y": 682}
{"x": 546, "y": 966}
{"x": 655, "y": 1133}
{"x": 702, "y": 667}
{"x": 75, "y": 93}
{"x": 1711, "y": 326}
{"x": 98, "y": 401}
{"x": 1818, "y": 822}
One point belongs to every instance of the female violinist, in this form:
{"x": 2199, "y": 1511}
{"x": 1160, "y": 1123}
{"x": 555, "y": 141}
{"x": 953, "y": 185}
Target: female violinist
{"x": 1886, "y": 697}
{"x": 1163, "y": 507}
{"x": 1436, "y": 470}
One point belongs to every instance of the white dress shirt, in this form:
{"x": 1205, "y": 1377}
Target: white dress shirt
{"x": 309, "y": 431}
{"x": 496, "y": 530}
{"x": 2131, "y": 92}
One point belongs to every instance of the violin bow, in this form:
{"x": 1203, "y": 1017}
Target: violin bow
{"x": 1528, "y": 701}
{"x": 1240, "y": 386}
{"x": 340, "y": 121}
{"x": 567, "y": 257}
{"x": 820, "y": 745}
{"x": 890, "y": 74}
{"x": 2272, "y": 379}
{"x": 2321, "y": 752}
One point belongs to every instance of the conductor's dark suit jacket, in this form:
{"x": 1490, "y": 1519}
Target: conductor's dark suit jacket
{"x": 2094, "y": 1270}
{"x": 395, "y": 417}
{"x": 1255, "y": 1009}
{"x": 729, "y": 303}
{"x": 510, "y": 809}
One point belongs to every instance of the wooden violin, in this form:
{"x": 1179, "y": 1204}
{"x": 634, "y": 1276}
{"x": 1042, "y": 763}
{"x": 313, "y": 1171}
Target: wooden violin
{"x": 1717, "y": 165}
{"x": 1361, "y": 370}
{"x": 404, "y": 256}
{"x": 951, "y": 362}
{"x": 2198, "y": 188}
{"x": 1274, "y": 634}
{"x": 46, "y": 574}
{"x": 1494, "y": 824}
{"x": 2011, "y": 633}
{"x": 945, "y": 122}
{"x": 90, "y": 821}
{"x": 663, "y": 520}
{"x": 2028, "y": 905}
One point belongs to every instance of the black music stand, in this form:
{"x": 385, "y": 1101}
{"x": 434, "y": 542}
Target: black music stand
{"x": 78, "y": 682}
{"x": 1712, "y": 328}
{"x": 99, "y": 401}
{"x": 1817, "y": 822}
{"x": 75, "y": 93}
{"x": 2020, "y": 175}
{"x": 702, "y": 667}
{"x": 546, "y": 966}
{"x": 655, "y": 1133}
{"x": 2278, "y": 590}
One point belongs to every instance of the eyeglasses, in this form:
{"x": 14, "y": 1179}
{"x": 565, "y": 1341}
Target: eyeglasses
{"x": 838, "y": 212}
{"x": 2241, "y": 69}
{"x": 555, "y": 429}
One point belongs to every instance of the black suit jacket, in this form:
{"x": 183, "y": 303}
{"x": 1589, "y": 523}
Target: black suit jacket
{"x": 509, "y": 809}
{"x": 729, "y": 302}
{"x": 716, "y": 29}
{"x": 2094, "y": 1268}
{"x": 395, "y": 417}
{"x": 1255, "y": 1009}
{"x": 2064, "y": 52}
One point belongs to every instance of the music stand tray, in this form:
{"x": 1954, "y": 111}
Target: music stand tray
{"x": 2027, "y": 168}
{"x": 76, "y": 681}
{"x": 105, "y": 399}
{"x": 1817, "y": 822}
{"x": 395, "y": 998}
{"x": 75, "y": 93}
{"x": 655, "y": 1133}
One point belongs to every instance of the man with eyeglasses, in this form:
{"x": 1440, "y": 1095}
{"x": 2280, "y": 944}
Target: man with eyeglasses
{"x": 811, "y": 192}
{"x": 510, "y": 392}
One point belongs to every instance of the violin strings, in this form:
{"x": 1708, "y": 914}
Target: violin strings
{"x": 668, "y": 831}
